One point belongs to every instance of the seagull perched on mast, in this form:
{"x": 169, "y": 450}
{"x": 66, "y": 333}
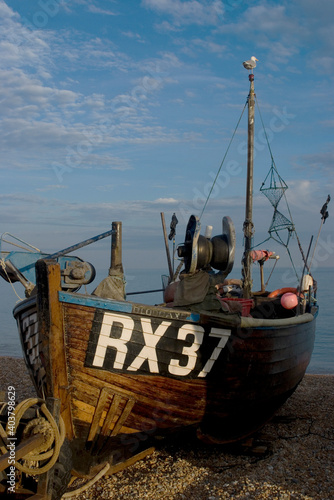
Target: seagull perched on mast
{"x": 251, "y": 64}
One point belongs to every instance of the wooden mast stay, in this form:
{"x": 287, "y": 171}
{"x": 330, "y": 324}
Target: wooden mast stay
{"x": 248, "y": 224}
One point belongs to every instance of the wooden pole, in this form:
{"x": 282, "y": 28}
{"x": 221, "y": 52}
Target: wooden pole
{"x": 53, "y": 341}
{"x": 248, "y": 224}
{"x": 116, "y": 248}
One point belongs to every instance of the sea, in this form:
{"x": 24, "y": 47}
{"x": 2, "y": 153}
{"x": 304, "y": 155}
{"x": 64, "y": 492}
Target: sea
{"x": 322, "y": 361}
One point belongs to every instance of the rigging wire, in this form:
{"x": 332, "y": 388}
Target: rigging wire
{"x": 274, "y": 164}
{"x": 223, "y": 160}
{"x": 283, "y": 185}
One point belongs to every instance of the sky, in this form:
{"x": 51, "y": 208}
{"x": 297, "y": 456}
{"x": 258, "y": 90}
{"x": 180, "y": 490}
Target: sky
{"x": 120, "y": 110}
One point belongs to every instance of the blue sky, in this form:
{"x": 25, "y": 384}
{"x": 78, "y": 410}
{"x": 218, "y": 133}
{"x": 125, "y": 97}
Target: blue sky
{"x": 117, "y": 110}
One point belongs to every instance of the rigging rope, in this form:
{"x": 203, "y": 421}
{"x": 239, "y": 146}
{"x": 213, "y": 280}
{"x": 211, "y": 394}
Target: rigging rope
{"x": 276, "y": 199}
{"x": 274, "y": 164}
{"x": 223, "y": 160}
{"x": 283, "y": 189}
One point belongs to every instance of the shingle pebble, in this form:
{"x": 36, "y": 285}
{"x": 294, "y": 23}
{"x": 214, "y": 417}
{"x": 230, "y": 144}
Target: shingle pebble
{"x": 295, "y": 458}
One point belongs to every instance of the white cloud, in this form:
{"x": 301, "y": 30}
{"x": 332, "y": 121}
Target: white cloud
{"x": 43, "y": 119}
{"x": 133, "y": 35}
{"x": 166, "y": 200}
{"x": 320, "y": 161}
{"x": 322, "y": 63}
{"x": 97, "y": 10}
{"x": 52, "y": 187}
{"x": 209, "y": 46}
{"x": 272, "y": 29}
{"x": 188, "y": 12}
{"x": 6, "y": 12}
{"x": 328, "y": 123}
{"x": 166, "y": 27}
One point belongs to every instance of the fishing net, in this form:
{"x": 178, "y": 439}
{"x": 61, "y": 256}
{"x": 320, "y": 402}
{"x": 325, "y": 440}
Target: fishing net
{"x": 276, "y": 187}
{"x": 279, "y": 222}
{"x": 274, "y": 195}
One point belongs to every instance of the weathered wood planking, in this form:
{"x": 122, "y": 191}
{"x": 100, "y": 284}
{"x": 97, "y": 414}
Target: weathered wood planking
{"x": 123, "y": 372}
{"x": 252, "y": 353}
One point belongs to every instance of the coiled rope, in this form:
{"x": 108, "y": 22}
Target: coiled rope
{"x": 48, "y": 427}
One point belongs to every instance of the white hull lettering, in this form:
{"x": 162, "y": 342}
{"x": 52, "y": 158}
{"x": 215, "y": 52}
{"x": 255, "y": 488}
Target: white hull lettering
{"x": 148, "y": 352}
{"x": 178, "y": 354}
{"x": 223, "y": 335}
{"x": 105, "y": 340}
{"x": 197, "y": 333}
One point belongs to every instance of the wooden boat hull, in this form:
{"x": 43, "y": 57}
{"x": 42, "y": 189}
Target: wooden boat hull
{"x": 125, "y": 372}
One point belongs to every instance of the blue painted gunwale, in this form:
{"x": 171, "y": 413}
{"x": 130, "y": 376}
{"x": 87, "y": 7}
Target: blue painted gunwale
{"x": 90, "y": 301}
{"x": 127, "y": 307}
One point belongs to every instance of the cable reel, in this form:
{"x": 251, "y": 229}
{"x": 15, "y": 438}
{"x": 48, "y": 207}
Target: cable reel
{"x": 200, "y": 252}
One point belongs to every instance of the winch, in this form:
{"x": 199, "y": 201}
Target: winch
{"x": 200, "y": 252}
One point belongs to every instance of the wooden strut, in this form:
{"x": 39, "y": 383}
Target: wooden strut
{"x": 108, "y": 404}
{"x": 53, "y": 339}
{"x": 116, "y": 248}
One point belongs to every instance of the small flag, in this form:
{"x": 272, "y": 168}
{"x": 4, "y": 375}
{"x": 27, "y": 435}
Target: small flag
{"x": 324, "y": 211}
{"x": 173, "y": 223}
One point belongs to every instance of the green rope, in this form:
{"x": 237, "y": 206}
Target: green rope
{"x": 223, "y": 160}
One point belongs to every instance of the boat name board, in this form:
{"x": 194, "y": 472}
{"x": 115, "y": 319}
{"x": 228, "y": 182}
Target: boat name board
{"x": 149, "y": 346}
{"x": 164, "y": 313}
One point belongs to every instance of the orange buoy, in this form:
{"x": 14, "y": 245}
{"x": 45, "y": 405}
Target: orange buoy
{"x": 281, "y": 291}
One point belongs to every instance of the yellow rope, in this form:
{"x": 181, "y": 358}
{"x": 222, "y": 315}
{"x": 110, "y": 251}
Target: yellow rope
{"x": 90, "y": 483}
{"x": 59, "y": 436}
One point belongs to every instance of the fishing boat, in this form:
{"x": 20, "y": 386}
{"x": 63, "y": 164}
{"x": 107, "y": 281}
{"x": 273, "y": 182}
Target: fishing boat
{"x": 215, "y": 358}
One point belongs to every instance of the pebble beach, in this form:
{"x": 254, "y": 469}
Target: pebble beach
{"x": 292, "y": 457}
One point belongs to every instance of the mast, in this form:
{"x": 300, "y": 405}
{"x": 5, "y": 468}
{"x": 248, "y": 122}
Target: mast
{"x": 248, "y": 224}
